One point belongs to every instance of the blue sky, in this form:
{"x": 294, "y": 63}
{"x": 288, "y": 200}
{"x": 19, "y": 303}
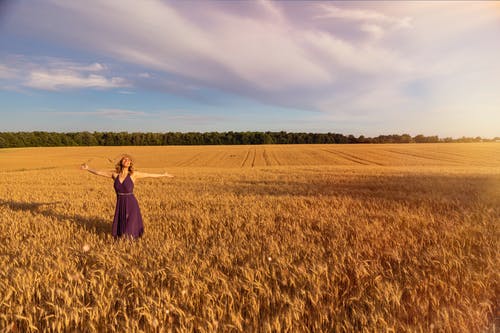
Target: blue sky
{"x": 362, "y": 68}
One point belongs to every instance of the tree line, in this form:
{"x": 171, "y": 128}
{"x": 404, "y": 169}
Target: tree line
{"x": 51, "y": 139}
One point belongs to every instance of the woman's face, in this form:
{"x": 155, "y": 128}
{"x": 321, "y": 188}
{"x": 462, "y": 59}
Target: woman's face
{"x": 126, "y": 162}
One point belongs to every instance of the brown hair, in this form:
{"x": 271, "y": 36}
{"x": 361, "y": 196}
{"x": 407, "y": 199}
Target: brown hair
{"x": 119, "y": 167}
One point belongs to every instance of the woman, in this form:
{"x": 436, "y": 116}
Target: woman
{"x": 128, "y": 219}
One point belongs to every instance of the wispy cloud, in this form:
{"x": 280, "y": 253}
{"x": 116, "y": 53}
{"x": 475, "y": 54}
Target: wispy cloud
{"x": 56, "y": 74}
{"x": 374, "y": 30}
{"x": 103, "y": 113}
{"x": 119, "y": 113}
{"x": 66, "y": 79}
{"x": 171, "y": 117}
{"x": 193, "y": 118}
{"x": 365, "y": 59}
{"x": 363, "y": 15}
{"x": 6, "y": 72}
{"x": 222, "y": 50}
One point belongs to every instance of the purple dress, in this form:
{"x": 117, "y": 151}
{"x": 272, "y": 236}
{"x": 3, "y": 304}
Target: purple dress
{"x": 128, "y": 219}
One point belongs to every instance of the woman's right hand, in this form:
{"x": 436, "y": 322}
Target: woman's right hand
{"x": 84, "y": 166}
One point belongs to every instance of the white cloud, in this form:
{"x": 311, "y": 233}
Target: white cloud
{"x": 268, "y": 56}
{"x": 372, "y": 23}
{"x": 54, "y": 74}
{"x": 225, "y": 50}
{"x": 53, "y": 63}
{"x": 66, "y": 79}
{"x": 95, "y": 67}
{"x": 339, "y": 54}
{"x": 254, "y": 56}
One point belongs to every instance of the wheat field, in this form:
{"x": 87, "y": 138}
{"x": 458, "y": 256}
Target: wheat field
{"x": 271, "y": 238}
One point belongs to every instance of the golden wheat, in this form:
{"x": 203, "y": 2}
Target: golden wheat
{"x": 254, "y": 238}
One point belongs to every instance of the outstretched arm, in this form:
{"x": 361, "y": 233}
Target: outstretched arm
{"x": 138, "y": 175}
{"x": 107, "y": 174}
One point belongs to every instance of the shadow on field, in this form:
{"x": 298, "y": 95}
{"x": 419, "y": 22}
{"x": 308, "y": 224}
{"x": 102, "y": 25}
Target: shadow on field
{"x": 87, "y": 223}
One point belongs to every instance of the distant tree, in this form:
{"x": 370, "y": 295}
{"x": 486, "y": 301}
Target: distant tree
{"x": 405, "y": 138}
{"x": 267, "y": 138}
{"x": 38, "y": 138}
{"x": 351, "y": 139}
{"x": 16, "y": 140}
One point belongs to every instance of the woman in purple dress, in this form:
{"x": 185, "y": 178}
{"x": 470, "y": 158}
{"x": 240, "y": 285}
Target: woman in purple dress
{"x": 128, "y": 219}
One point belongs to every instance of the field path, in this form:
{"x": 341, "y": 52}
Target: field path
{"x": 440, "y": 158}
{"x": 246, "y": 158}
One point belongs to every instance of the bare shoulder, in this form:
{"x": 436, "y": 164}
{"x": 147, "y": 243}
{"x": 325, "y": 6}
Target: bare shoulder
{"x": 114, "y": 175}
